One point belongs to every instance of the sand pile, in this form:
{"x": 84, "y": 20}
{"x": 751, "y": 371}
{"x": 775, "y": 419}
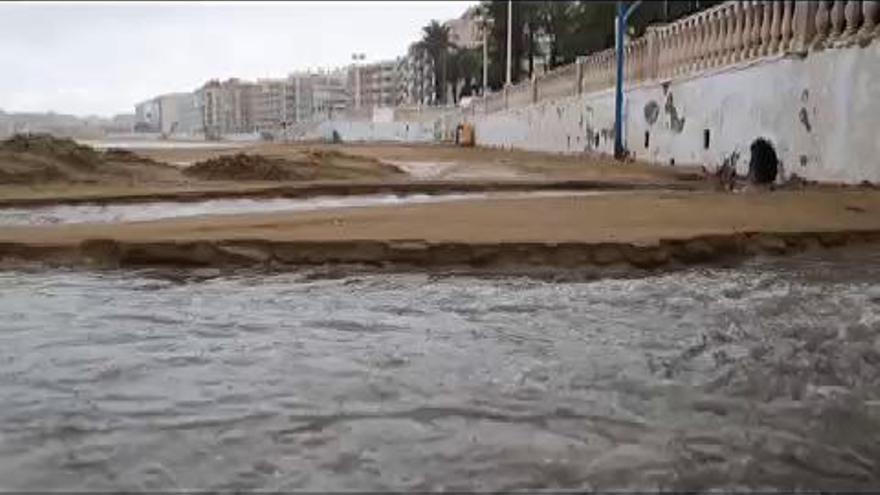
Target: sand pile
{"x": 308, "y": 165}
{"x": 63, "y": 149}
{"x": 34, "y": 158}
{"x": 43, "y": 158}
{"x": 242, "y": 166}
{"x": 340, "y": 160}
{"x": 118, "y": 155}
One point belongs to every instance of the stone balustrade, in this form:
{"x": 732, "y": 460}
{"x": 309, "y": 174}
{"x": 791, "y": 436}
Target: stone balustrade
{"x": 729, "y": 33}
{"x": 492, "y": 103}
{"x": 557, "y": 83}
{"x": 600, "y": 71}
{"x": 519, "y": 95}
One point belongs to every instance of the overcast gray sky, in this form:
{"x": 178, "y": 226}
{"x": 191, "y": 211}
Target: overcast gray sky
{"x": 103, "y": 57}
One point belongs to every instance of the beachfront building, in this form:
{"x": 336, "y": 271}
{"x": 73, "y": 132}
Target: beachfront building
{"x": 415, "y": 78}
{"x": 374, "y": 84}
{"x": 146, "y": 116}
{"x": 226, "y": 107}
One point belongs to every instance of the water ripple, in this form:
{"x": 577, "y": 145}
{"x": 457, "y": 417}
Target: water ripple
{"x": 765, "y": 376}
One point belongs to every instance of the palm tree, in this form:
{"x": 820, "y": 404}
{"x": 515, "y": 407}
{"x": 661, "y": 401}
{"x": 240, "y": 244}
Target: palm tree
{"x": 524, "y": 14}
{"x": 530, "y": 13}
{"x": 435, "y": 42}
{"x": 556, "y": 20}
{"x": 453, "y": 72}
{"x": 468, "y": 67}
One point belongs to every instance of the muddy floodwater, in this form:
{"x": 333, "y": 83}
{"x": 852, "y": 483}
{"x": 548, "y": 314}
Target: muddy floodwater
{"x": 761, "y": 376}
{"x": 157, "y": 210}
{"x": 150, "y": 144}
{"x": 108, "y": 213}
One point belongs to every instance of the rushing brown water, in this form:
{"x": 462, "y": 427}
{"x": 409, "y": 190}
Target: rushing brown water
{"x": 156, "y": 210}
{"x": 133, "y": 212}
{"x": 758, "y": 377}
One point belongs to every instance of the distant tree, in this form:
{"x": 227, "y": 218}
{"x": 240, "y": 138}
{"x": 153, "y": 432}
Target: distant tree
{"x": 593, "y": 28}
{"x": 496, "y": 12}
{"x": 435, "y": 42}
{"x": 555, "y": 20}
{"x": 453, "y": 72}
{"x": 572, "y": 28}
{"x": 470, "y": 67}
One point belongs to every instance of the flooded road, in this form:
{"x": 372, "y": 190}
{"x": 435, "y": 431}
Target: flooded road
{"x": 756, "y": 377}
{"x": 156, "y": 210}
{"x": 132, "y": 212}
{"x": 152, "y": 144}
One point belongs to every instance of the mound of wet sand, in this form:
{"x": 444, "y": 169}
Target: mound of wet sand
{"x": 310, "y": 165}
{"x": 43, "y": 158}
{"x": 330, "y": 159}
{"x": 242, "y": 166}
{"x": 119, "y": 155}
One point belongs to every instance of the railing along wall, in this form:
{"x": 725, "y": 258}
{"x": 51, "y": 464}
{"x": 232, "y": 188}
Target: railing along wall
{"x": 555, "y": 84}
{"x": 729, "y": 33}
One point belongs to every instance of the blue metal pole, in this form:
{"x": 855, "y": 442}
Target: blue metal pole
{"x": 619, "y": 152}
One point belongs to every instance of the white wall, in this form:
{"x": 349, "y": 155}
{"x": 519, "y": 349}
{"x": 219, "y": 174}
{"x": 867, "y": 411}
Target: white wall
{"x": 836, "y": 91}
{"x": 374, "y": 131}
{"x": 147, "y": 114}
{"x": 383, "y": 114}
{"x": 565, "y": 125}
{"x": 169, "y": 113}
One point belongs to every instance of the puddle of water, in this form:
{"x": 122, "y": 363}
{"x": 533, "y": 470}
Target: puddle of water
{"x": 762, "y": 377}
{"x": 455, "y": 170}
{"x": 146, "y": 144}
{"x": 423, "y": 170}
{"x": 111, "y": 213}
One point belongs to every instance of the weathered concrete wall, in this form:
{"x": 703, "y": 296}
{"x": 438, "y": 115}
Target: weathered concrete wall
{"x": 565, "y": 125}
{"x": 420, "y": 114}
{"x": 374, "y": 131}
{"x": 383, "y": 114}
{"x": 821, "y": 113}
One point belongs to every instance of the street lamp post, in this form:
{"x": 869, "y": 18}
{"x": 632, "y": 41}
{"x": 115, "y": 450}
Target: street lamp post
{"x": 509, "y": 39}
{"x": 622, "y": 16}
{"x": 485, "y": 61}
{"x": 357, "y": 79}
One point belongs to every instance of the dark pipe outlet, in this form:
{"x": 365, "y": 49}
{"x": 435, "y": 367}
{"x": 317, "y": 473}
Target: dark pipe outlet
{"x": 764, "y": 164}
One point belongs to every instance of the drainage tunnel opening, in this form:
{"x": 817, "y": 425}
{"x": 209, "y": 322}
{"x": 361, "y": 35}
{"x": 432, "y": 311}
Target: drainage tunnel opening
{"x": 764, "y": 163}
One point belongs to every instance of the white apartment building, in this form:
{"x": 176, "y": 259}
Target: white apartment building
{"x": 376, "y": 84}
{"x": 147, "y": 116}
{"x": 226, "y": 107}
{"x": 277, "y": 104}
{"x": 464, "y": 32}
{"x": 415, "y": 78}
{"x": 269, "y": 100}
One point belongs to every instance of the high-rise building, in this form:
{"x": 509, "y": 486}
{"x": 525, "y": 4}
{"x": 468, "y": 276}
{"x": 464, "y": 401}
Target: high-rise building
{"x": 171, "y": 113}
{"x": 226, "y": 107}
{"x": 191, "y": 121}
{"x": 234, "y": 106}
{"x": 302, "y": 97}
{"x": 172, "y": 107}
{"x": 375, "y": 83}
{"x": 147, "y": 115}
{"x": 269, "y": 104}
{"x": 464, "y": 32}
{"x": 415, "y": 81}
{"x": 329, "y": 94}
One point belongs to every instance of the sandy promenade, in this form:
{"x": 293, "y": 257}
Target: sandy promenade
{"x": 644, "y": 228}
{"x": 414, "y": 163}
{"x": 653, "y": 216}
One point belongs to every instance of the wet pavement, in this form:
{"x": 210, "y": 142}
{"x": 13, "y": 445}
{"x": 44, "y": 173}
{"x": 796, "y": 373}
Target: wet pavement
{"x": 151, "y": 144}
{"x": 157, "y": 210}
{"x": 131, "y": 212}
{"x": 762, "y": 376}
